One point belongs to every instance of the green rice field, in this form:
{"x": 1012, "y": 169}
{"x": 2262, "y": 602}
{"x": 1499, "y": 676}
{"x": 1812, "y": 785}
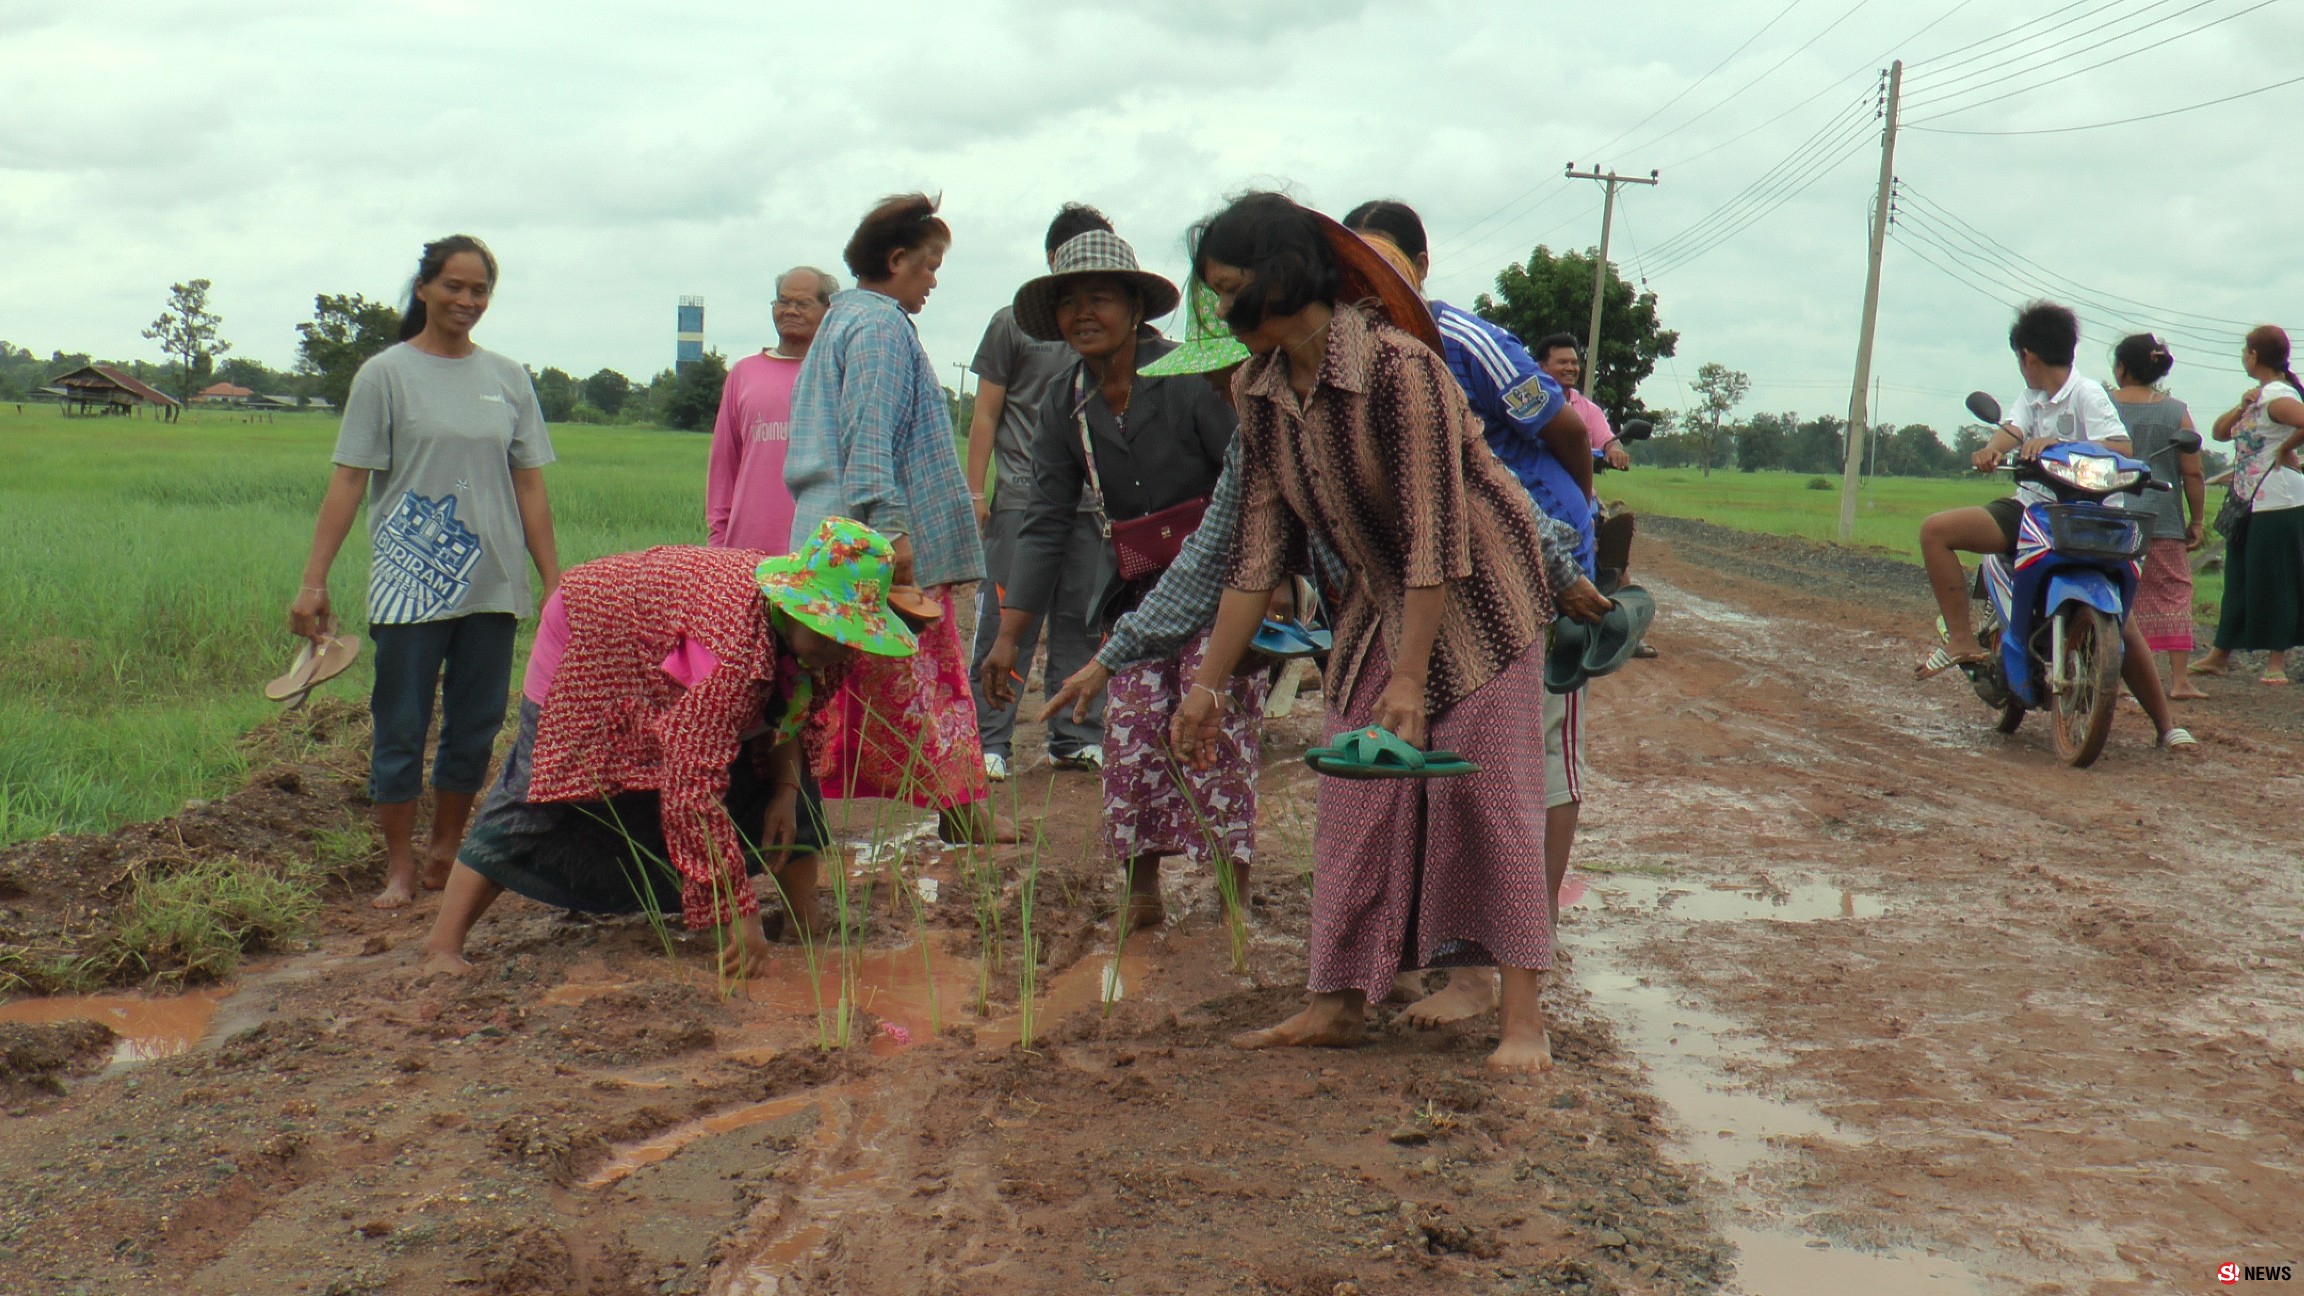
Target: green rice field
{"x": 145, "y": 574}
{"x": 146, "y": 568}
{"x": 1888, "y": 511}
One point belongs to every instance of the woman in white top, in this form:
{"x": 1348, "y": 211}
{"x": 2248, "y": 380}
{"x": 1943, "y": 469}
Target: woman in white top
{"x": 2264, "y": 566}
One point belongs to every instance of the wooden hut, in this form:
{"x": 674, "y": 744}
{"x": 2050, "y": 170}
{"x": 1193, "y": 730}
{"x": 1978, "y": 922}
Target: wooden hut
{"x": 102, "y": 389}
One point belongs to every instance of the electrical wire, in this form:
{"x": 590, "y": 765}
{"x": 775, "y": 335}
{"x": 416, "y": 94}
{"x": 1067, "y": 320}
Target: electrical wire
{"x": 2095, "y": 315}
{"x": 1938, "y": 81}
{"x": 2041, "y": 85}
{"x": 1937, "y": 60}
{"x": 1757, "y": 201}
{"x": 1770, "y": 71}
{"x": 1853, "y": 117}
{"x": 2031, "y": 62}
{"x": 1968, "y": 232}
{"x": 2124, "y": 121}
{"x": 1698, "y": 83}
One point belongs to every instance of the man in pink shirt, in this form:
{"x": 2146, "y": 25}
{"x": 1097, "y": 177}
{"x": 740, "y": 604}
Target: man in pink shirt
{"x": 1559, "y": 356}
{"x": 746, "y": 505}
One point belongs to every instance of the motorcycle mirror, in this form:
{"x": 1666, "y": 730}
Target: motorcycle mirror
{"x": 1636, "y": 430}
{"x": 1983, "y": 406}
{"x": 2186, "y": 441}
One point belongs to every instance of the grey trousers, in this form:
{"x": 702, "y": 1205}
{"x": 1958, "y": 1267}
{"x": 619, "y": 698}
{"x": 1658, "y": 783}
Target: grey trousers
{"x": 1071, "y": 645}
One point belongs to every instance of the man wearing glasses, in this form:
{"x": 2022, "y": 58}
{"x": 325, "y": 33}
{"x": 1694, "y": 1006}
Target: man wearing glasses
{"x": 746, "y": 505}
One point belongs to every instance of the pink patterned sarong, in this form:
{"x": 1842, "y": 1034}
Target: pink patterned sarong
{"x": 904, "y": 727}
{"x": 2163, "y": 608}
{"x": 1153, "y": 805}
{"x": 1438, "y": 873}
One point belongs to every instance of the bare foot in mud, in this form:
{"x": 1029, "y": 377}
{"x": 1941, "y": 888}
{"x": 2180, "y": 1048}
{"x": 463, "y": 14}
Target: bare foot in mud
{"x": 1407, "y": 987}
{"x": 436, "y": 867}
{"x": 1143, "y": 912}
{"x": 1329, "y": 1021}
{"x": 1469, "y": 993}
{"x": 397, "y": 894}
{"x": 1522, "y": 1055}
{"x": 448, "y": 961}
{"x": 2188, "y": 694}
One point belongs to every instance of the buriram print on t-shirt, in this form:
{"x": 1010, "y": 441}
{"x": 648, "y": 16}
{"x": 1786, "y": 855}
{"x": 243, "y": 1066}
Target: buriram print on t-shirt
{"x": 441, "y": 438}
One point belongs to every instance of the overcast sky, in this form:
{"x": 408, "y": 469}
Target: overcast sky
{"x": 618, "y": 156}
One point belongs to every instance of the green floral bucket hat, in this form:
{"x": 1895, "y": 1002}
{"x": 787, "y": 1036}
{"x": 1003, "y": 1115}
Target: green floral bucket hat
{"x": 1208, "y": 343}
{"x": 837, "y": 586}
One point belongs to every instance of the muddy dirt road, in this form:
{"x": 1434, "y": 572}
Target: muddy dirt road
{"x": 1859, "y": 997}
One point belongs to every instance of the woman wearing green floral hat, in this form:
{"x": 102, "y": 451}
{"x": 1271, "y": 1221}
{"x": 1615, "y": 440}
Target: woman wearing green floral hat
{"x": 658, "y": 761}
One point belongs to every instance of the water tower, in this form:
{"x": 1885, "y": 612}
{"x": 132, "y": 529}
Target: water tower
{"x": 689, "y": 341}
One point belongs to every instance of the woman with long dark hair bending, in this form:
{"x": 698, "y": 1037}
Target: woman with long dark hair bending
{"x": 1352, "y": 430}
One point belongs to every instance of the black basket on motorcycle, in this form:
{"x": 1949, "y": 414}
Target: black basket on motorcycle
{"x": 2094, "y": 531}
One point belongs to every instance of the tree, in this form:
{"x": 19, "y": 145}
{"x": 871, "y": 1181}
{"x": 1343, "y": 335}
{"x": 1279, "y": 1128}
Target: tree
{"x": 1817, "y": 446}
{"x": 556, "y": 395}
{"x": 1719, "y": 390}
{"x": 342, "y": 333}
{"x": 1764, "y": 442}
{"x": 186, "y": 331}
{"x": 1550, "y": 294}
{"x": 607, "y": 391}
{"x": 694, "y": 400}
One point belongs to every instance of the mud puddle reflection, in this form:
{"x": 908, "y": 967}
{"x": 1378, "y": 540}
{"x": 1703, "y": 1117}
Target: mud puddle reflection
{"x": 1692, "y": 1057}
{"x": 147, "y": 1026}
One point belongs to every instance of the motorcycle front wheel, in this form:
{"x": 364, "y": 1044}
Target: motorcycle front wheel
{"x": 2082, "y": 709}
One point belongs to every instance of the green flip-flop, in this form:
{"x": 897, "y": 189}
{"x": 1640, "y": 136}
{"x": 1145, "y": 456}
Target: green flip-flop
{"x": 1378, "y": 753}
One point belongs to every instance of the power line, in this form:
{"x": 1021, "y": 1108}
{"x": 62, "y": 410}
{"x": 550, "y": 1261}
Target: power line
{"x": 1770, "y": 71}
{"x": 2041, "y": 85}
{"x": 1693, "y": 86}
{"x": 1820, "y": 141}
{"x": 1995, "y": 75}
{"x": 1937, "y": 59}
{"x": 1780, "y": 185}
{"x": 2006, "y": 283}
{"x": 1929, "y": 206}
{"x": 2124, "y": 121}
{"x": 1939, "y": 83}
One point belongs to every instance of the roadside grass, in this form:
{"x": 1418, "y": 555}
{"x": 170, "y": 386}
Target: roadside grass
{"x": 1889, "y": 510}
{"x": 196, "y": 922}
{"x": 145, "y": 570}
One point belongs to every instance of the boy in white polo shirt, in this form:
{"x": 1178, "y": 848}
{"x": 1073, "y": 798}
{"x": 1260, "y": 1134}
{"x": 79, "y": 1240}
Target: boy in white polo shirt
{"x": 2057, "y": 405}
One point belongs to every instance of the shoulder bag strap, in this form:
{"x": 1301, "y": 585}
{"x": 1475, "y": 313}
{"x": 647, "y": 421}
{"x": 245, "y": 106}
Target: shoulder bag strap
{"x": 1080, "y": 398}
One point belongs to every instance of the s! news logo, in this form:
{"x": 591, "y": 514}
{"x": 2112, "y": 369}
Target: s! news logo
{"x": 2230, "y": 1274}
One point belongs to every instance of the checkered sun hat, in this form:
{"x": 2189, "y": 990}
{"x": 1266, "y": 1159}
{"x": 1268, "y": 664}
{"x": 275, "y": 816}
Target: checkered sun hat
{"x": 1097, "y": 252}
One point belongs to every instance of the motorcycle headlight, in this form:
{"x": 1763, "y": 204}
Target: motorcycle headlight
{"x": 2091, "y": 473}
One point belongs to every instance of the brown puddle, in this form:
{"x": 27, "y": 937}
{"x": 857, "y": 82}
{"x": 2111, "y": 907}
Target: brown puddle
{"x": 900, "y": 989}
{"x": 148, "y": 1027}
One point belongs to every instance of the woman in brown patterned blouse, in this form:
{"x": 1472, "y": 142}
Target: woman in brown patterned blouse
{"x": 1352, "y": 429}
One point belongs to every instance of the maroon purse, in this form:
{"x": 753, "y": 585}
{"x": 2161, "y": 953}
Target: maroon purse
{"x": 1143, "y": 546}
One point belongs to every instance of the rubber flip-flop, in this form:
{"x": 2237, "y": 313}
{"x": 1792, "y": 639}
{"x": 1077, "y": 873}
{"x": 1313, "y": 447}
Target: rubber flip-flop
{"x": 1286, "y": 641}
{"x": 1378, "y": 753}
{"x": 2177, "y": 740}
{"x": 913, "y": 607}
{"x": 297, "y": 680}
{"x": 335, "y": 659}
{"x": 1564, "y": 660}
{"x": 1630, "y": 612}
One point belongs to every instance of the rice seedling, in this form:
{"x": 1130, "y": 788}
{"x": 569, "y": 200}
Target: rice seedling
{"x": 1230, "y": 873}
{"x": 1028, "y": 957}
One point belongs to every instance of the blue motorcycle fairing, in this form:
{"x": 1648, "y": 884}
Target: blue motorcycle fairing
{"x": 2084, "y": 585}
{"x": 2037, "y": 581}
{"x": 2066, "y": 451}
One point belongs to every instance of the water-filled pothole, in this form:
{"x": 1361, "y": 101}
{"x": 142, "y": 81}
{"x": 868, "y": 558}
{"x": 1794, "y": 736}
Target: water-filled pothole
{"x": 148, "y": 1026}
{"x": 1692, "y": 1057}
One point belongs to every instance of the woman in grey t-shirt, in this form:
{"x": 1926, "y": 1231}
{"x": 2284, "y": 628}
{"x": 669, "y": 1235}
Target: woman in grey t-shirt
{"x": 447, "y": 442}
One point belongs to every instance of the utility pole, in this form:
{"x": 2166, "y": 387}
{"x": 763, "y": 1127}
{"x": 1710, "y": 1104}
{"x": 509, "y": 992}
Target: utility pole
{"x": 1600, "y": 268}
{"x": 1859, "y": 413}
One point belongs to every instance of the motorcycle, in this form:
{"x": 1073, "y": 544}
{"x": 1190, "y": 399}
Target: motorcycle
{"x": 2054, "y": 610}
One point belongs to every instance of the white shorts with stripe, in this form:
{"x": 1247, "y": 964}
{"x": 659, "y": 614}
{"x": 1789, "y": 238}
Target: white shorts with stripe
{"x": 1563, "y": 747}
